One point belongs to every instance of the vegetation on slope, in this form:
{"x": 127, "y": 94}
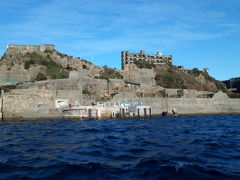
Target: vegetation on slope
{"x": 41, "y": 77}
{"x": 54, "y": 70}
{"x": 170, "y": 77}
{"x": 144, "y": 64}
{"x": 8, "y": 88}
{"x": 110, "y": 73}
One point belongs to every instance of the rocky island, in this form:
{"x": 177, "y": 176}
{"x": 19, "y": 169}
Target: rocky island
{"x": 38, "y": 82}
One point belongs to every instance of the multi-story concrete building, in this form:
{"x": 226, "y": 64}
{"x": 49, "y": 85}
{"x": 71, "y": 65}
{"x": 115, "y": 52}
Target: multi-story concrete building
{"x": 129, "y": 58}
{"x": 233, "y": 84}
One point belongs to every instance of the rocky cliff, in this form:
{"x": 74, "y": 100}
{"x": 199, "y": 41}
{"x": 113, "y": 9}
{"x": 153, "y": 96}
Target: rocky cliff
{"x": 21, "y": 65}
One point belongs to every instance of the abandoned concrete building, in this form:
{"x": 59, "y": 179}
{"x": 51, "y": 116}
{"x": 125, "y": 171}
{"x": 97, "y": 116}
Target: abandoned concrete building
{"x": 184, "y": 70}
{"x": 189, "y": 71}
{"x": 30, "y": 48}
{"x": 233, "y": 84}
{"x": 159, "y": 58}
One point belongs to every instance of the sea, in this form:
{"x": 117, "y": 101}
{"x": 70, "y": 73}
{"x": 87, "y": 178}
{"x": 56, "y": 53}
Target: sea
{"x": 176, "y": 147}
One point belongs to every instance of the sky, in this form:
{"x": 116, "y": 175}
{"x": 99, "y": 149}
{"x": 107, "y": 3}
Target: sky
{"x": 197, "y": 33}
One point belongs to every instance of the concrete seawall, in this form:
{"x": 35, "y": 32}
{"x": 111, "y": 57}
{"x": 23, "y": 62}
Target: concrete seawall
{"x": 220, "y": 103}
{"x": 41, "y": 104}
{"x": 192, "y": 105}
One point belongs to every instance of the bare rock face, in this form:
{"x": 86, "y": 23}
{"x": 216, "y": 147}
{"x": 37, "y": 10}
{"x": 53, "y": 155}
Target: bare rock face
{"x": 206, "y": 84}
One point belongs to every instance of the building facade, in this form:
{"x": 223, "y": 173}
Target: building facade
{"x": 129, "y": 58}
{"x": 30, "y": 48}
{"x": 233, "y": 84}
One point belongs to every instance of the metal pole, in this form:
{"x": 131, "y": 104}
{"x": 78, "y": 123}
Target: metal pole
{"x": 145, "y": 112}
{"x": 123, "y": 112}
{"x": 150, "y": 112}
{"x": 120, "y": 112}
{"x": 97, "y": 114}
{"x": 89, "y": 113}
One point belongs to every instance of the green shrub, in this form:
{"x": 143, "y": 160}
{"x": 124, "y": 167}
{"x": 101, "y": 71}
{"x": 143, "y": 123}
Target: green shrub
{"x": 84, "y": 66}
{"x": 41, "y": 77}
{"x": 85, "y": 91}
{"x": 207, "y": 77}
{"x": 28, "y": 63}
{"x": 144, "y": 64}
{"x": 220, "y": 85}
{"x": 34, "y": 56}
{"x": 48, "y": 51}
{"x": 109, "y": 73}
{"x": 104, "y": 99}
{"x": 56, "y": 71}
{"x": 69, "y": 68}
{"x": 169, "y": 79}
{"x": 7, "y": 88}
{"x": 163, "y": 93}
{"x": 196, "y": 72}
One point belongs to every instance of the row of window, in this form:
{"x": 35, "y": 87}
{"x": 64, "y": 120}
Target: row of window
{"x": 153, "y": 57}
{"x": 145, "y": 56}
{"x": 135, "y": 58}
{"x": 149, "y": 60}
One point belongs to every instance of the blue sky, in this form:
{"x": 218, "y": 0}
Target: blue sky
{"x": 198, "y": 33}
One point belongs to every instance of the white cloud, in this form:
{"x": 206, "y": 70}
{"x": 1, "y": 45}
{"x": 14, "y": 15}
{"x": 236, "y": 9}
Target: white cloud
{"x": 112, "y": 25}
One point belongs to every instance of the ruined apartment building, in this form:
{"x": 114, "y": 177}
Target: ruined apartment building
{"x": 29, "y": 48}
{"x": 129, "y": 58}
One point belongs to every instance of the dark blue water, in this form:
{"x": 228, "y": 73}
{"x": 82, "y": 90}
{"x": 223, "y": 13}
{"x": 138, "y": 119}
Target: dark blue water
{"x": 191, "y": 147}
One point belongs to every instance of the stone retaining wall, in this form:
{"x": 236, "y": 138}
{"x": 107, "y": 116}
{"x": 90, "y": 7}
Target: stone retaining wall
{"x": 36, "y": 103}
{"x": 220, "y": 103}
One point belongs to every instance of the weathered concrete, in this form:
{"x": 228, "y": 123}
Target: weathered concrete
{"x": 129, "y": 58}
{"x": 24, "y": 106}
{"x": 37, "y": 103}
{"x": 89, "y": 112}
{"x": 143, "y": 76}
{"x": 220, "y": 103}
{"x": 17, "y": 73}
{"x": 78, "y": 74}
{"x": 187, "y": 93}
{"x": 30, "y": 48}
{"x": 57, "y": 84}
{"x": 41, "y": 104}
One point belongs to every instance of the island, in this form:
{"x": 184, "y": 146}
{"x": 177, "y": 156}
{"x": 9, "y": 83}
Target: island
{"x": 39, "y": 82}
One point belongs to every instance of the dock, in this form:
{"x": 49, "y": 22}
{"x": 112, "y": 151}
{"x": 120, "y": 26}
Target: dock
{"x": 107, "y": 110}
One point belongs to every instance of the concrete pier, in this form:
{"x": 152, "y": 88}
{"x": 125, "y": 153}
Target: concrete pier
{"x": 140, "y": 111}
{"x": 98, "y": 112}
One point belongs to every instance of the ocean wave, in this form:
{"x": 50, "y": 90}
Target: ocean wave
{"x": 194, "y": 147}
